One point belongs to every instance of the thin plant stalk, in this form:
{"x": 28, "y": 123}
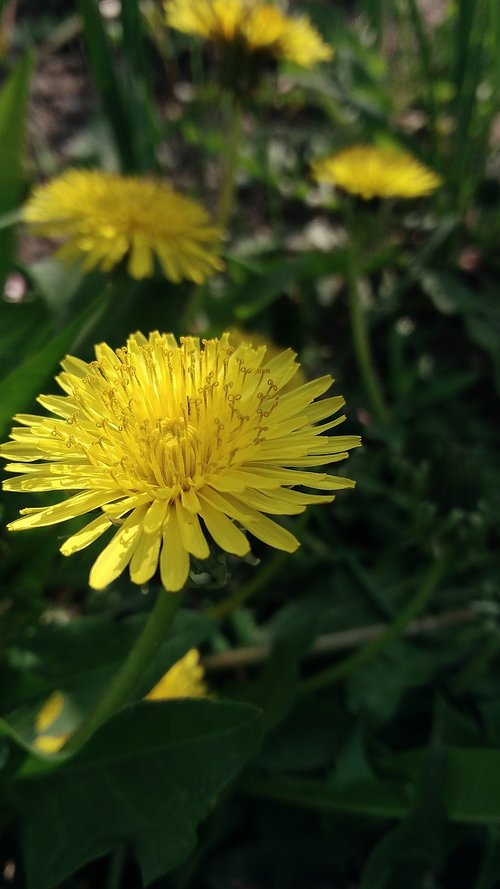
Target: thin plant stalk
{"x": 331, "y": 675}
{"x": 361, "y": 340}
{"x": 253, "y": 655}
{"x": 226, "y": 197}
{"x": 425, "y": 57}
{"x": 128, "y": 677}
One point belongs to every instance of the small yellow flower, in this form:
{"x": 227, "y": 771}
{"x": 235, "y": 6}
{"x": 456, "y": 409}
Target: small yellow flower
{"x": 104, "y": 218}
{"x": 158, "y": 436}
{"x": 256, "y": 27}
{"x": 46, "y": 740}
{"x": 184, "y": 680}
{"x": 373, "y": 172}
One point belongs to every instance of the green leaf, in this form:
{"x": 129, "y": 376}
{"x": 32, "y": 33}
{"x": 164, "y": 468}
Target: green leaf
{"x": 136, "y": 72}
{"x": 113, "y": 97}
{"x": 13, "y": 108}
{"x": 21, "y": 386}
{"x": 413, "y": 849}
{"x": 24, "y": 328}
{"x": 473, "y": 785}
{"x": 471, "y": 793}
{"x": 79, "y": 659}
{"x": 147, "y": 778}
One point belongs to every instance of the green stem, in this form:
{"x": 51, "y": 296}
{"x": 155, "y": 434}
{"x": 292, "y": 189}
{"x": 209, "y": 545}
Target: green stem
{"x": 367, "y": 652}
{"x": 226, "y": 196}
{"x": 425, "y": 58}
{"x": 361, "y": 341}
{"x": 126, "y": 680}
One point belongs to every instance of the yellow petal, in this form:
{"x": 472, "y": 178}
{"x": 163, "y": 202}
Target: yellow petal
{"x": 50, "y": 743}
{"x": 267, "y": 530}
{"x": 145, "y": 559}
{"x": 49, "y": 712}
{"x": 116, "y": 556}
{"x": 192, "y": 536}
{"x": 183, "y": 680}
{"x": 224, "y": 532}
{"x": 61, "y": 512}
{"x": 174, "y": 559}
{"x": 85, "y": 536}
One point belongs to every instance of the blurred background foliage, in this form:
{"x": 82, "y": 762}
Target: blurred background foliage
{"x": 380, "y": 764}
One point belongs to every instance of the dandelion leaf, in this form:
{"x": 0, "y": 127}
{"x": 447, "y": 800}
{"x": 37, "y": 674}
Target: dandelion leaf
{"x": 146, "y": 779}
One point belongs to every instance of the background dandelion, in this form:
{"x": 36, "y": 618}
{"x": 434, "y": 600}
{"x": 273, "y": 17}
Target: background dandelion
{"x": 105, "y": 219}
{"x": 373, "y": 172}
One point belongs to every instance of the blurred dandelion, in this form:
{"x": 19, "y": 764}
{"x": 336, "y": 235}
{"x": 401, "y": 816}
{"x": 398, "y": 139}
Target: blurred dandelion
{"x": 185, "y": 679}
{"x": 104, "y": 218}
{"x": 373, "y": 172}
{"x": 169, "y": 434}
{"x": 255, "y": 27}
{"x": 46, "y": 740}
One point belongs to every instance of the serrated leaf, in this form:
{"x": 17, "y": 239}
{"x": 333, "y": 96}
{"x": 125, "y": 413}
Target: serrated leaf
{"x": 146, "y": 778}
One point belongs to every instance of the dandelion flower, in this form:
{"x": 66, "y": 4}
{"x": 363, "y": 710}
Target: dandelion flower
{"x": 104, "y": 218}
{"x": 373, "y": 172}
{"x": 186, "y": 679}
{"x": 176, "y": 443}
{"x": 255, "y": 27}
{"x": 46, "y": 740}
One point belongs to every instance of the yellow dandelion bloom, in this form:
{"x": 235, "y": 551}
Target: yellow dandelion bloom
{"x": 373, "y": 172}
{"x": 256, "y": 27}
{"x": 46, "y": 740}
{"x": 158, "y": 436}
{"x": 184, "y": 680}
{"x": 104, "y": 218}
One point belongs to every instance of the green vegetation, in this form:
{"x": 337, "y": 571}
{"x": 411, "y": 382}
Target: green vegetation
{"x": 353, "y": 735}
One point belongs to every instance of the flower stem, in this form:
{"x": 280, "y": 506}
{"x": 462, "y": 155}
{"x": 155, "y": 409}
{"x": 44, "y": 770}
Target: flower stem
{"x": 124, "y": 683}
{"x": 339, "y": 671}
{"x": 361, "y": 341}
{"x": 226, "y": 196}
